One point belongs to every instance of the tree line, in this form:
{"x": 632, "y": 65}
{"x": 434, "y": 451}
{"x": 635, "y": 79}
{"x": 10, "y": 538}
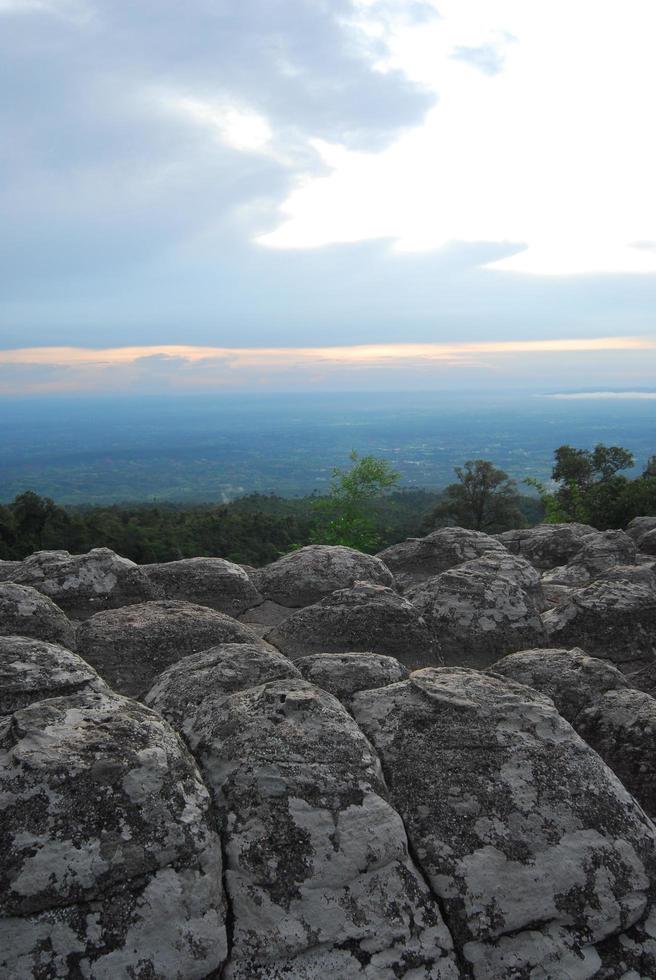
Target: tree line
{"x": 365, "y": 508}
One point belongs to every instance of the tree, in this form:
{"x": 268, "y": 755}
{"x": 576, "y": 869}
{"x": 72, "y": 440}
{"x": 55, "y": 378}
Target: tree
{"x": 484, "y": 499}
{"x": 591, "y": 486}
{"x": 346, "y": 514}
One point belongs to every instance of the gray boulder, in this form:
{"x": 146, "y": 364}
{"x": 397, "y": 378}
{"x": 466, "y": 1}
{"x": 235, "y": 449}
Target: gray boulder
{"x": 418, "y": 559}
{"x": 639, "y": 574}
{"x": 109, "y": 866}
{"x": 546, "y": 545}
{"x": 8, "y": 569}
{"x": 571, "y": 678}
{"x": 25, "y": 612}
{"x": 82, "y": 585}
{"x": 344, "y": 674}
{"x": 536, "y": 851}
{"x": 31, "y": 670}
{"x": 598, "y": 553}
{"x": 212, "y": 582}
{"x": 303, "y": 577}
{"x": 516, "y": 569}
{"x": 129, "y": 647}
{"x": 477, "y": 616}
{"x": 648, "y": 543}
{"x": 614, "y": 620}
{"x": 621, "y": 727}
{"x": 318, "y": 874}
{"x": 640, "y": 526}
{"x": 366, "y": 617}
{"x": 214, "y": 674}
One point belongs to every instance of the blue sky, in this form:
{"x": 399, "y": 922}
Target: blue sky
{"x": 303, "y": 174}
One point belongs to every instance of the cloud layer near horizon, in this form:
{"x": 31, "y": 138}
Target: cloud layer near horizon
{"x": 43, "y": 370}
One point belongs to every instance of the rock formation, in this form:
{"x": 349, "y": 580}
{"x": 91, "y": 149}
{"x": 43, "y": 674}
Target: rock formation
{"x": 332, "y": 801}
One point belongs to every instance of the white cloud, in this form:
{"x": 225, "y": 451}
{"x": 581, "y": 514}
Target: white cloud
{"x": 237, "y": 126}
{"x": 546, "y": 145}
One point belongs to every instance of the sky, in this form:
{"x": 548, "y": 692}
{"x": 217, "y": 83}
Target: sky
{"x": 280, "y": 194}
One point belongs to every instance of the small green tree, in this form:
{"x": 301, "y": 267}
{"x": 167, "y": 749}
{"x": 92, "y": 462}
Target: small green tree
{"x": 345, "y": 516}
{"x": 590, "y": 488}
{"x": 484, "y": 499}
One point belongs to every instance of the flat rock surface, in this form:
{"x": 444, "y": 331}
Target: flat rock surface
{"x": 366, "y": 617}
{"x": 317, "y": 867}
{"x": 85, "y": 584}
{"x": 547, "y": 545}
{"x": 614, "y": 620}
{"x": 213, "y": 675}
{"x": 212, "y": 582}
{"x": 418, "y": 559}
{"x": 129, "y": 647}
{"x": 344, "y": 674}
{"x": 571, "y": 678}
{"x": 25, "y": 612}
{"x": 621, "y": 727}
{"x": 535, "y": 849}
{"x": 32, "y": 670}
{"x": 477, "y": 616}
{"x": 109, "y": 866}
{"x": 303, "y": 577}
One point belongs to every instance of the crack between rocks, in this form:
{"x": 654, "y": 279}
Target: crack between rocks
{"x": 464, "y": 969}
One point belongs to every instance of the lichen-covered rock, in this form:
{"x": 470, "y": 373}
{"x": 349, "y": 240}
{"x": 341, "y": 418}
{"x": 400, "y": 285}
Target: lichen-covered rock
{"x": 640, "y": 526}
{"x": 129, "y": 647}
{"x": 109, "y": 865}
{"x": 31, "y": 670}
{"x": 571, "y": 678}
{"x": 26, "y": 612}
{"x": 212, "y": 582}
{"x": 639, "y": 574}
{"x": 344, "y": 674}
{"x": 366, "y": 617}
{"x": 418, "y": 559}
{"x": 8, "y": 570}
{"x": 303, "y": 577}
{"x": 648, "y": 543}
{"x": 477, "y": 616}
{"x": 82, "y": 585}
{"x": 263, "y": 617}
{"x": 598, "y": 553}
{"x": 546, "y": 545}
{"x": 614, "y": 620}
{"x": 518, "y": 570}
{"x": 535, "y": 849}
{"x": 214, "y": 674}
{"x": 621, "y": 727}
{"x": 317, "y": 869}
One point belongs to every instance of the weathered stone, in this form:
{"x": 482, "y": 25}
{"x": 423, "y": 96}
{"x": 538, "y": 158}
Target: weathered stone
{"x": 639, "y": 574}
{"x": 554, "y": 594}
{"x": 31, "y": 670}
{"x": 614, "y": 620}
{"x": 640, "y": 526}
{"x": 602, "y": 551}
{"x": 265, "y": 616}
{"x": 82, "y": 585}
{"x": 344, "y": 674}
{"x": 26, "y": 612}
{"x": 303, "y": 577}
{"x": 211, "y": 582}
{"x": 317, "y": 869}
{"x": 8, "y": 570}
{"x": 366, "y": 617}
{"x": 477, "y": 616}
{"x": 621, "y": 727}
{"x": 516, "y": 569}
{"x": 129, "y": 647}
{"x": 109, "y": 864}
{"x": 546, "y": 545}
{"x": 418, "y": 559}
{"x": 214, "y": 674}
{"x": 535, "y": 849}
{"x": 648, "y": 543}
{"x": 571, "y": 678}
